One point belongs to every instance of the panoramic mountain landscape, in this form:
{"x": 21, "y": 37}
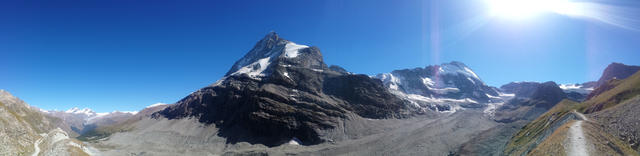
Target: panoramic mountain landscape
{"x": 480, "y": 77}
{"x": 281, "y": 98}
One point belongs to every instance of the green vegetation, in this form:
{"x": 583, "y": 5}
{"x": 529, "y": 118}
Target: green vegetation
{"x": 106, "y": 131}
{"x": 553, "y": 145}
{"x": 534, "y": 133}
{"x": 101, "y": 132}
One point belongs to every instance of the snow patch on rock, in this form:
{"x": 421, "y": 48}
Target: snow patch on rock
{"x": 256, "y": 69}
{"x": 292, "y": 49}
{"x": 294, "y": 141}
{"x": 502, "y": 98}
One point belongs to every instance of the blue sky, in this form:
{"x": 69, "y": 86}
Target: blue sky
{"x": 125, "y": 55}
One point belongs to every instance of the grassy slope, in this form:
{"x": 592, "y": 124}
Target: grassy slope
{"x": 553, "y": 145}
{"x": 604, "y": 143}
{"x": 533, "y": 133}
{"x": 106, "y": 131}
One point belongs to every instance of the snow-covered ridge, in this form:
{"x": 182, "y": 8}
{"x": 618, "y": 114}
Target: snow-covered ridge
{"x": 87, "y": 114}
{"x": 85, "y": 111}
{"x": 92, "y": 114}
{"x": 156, "y": 104}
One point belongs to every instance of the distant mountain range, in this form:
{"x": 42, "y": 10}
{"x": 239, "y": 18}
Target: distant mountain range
{"x": 26, "y": 131}
{"x": 83, "y": 120}
{"x": 282, "y": 99}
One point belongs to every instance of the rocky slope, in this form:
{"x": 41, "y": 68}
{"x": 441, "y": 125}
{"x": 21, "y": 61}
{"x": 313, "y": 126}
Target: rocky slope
{"x": 531, "y": 100}
{"x": 26, "y": 131}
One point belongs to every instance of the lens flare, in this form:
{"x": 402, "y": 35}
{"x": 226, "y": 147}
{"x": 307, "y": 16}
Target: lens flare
{"x": 627, "y": 16}
{"x": 517, "y": 9}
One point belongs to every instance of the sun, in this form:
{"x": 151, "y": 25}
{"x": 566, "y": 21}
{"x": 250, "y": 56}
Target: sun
{"x": 519, "y": 9}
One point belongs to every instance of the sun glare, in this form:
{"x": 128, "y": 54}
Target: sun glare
{"x": 518, "y": 9}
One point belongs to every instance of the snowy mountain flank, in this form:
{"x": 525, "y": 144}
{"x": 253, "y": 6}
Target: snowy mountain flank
{"x": 446, "y": 88}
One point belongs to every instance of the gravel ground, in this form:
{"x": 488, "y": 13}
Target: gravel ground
{"x": 422, "y": 135}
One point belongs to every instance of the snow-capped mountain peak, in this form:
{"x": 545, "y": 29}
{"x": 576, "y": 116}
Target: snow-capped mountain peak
{"x": 457, "y": 68}
{"x": 453, "y": 82}
{"x": 270, "y": 49}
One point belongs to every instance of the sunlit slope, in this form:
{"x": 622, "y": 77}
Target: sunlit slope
{"x": 622, "y": 121}
{"x": 596, "y": 140}
{"x": 26, "y": 131}
{"x": 539, "y": 129}
{"x": 613, "y": 120}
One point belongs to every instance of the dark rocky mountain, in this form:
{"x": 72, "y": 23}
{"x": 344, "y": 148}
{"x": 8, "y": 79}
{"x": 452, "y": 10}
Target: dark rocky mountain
{"x": 611, "y": 77}
{"x": 532, "y": 99}
{"x": 616, "y": 71}
{"x": 281, "y": 91}
{"x": 550, "y": 93}
{"x": 520, "y": 89}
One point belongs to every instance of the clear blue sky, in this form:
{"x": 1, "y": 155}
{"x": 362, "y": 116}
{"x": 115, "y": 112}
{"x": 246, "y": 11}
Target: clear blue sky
{"x": 125, "y": 55}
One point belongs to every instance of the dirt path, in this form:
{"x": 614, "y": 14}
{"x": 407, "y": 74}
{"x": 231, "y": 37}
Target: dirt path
{"x": 580, "y": 115}
{"x": 577, "y": 141}
{"x": 36, "y": 146}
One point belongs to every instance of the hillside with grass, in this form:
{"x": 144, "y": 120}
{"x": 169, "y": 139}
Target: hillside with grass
{"x": 612, "y": 130}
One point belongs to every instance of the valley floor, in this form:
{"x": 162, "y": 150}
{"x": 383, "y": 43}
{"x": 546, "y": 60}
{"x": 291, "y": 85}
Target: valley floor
{"x": 421, "y": 135}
